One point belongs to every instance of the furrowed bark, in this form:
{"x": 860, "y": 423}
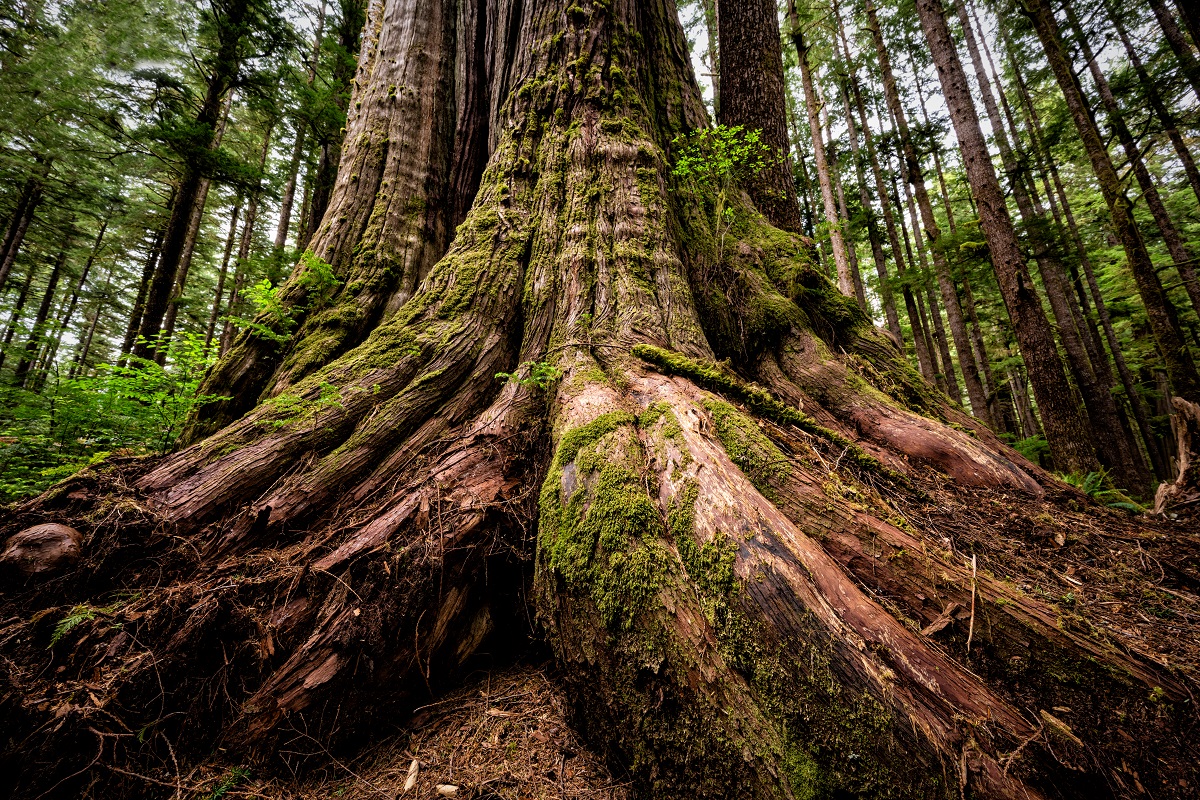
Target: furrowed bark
{"x": 752, "y": 76}
{"x": 1066, "y": 430}
{"x": 701, "y": 551}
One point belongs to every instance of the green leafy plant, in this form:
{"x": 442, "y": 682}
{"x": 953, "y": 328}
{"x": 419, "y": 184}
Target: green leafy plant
{"x": 77, "y": 616}
{"x": 532, "y": 373}
{"x": 138, "y": 407}
{"x": 275, "y": 320}
{"x": 1099, "y": 487}
{"x": 228, "y": 781}
{"x": 715, "y": 160}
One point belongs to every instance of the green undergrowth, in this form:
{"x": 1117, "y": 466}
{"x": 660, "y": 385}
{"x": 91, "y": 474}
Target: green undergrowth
{"x": 758, "y": 400}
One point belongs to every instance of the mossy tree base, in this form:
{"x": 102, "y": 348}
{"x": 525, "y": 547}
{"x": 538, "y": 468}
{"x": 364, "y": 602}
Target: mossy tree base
{"x": 717, "y": 555}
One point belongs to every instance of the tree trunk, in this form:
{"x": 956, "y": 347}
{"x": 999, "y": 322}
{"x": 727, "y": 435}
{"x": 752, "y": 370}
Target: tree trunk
{"x": 920, "y": 344}
{"x": 941, "y": 269}
{"x": 381, "y": 244}
{"x": 22, "y": 372}
{"x": 1158, "y": 209}
{"x": 1066, "y": 429}
{"x": 139, "y": 303}
{"x": 752, "y": 76}
{"x": 14, "y": 315}
{"x": 1179, "y": 44}
{"x": 15, "y": 236}
{"x": 745, "y": 599}
{"x": 1165, "y": 117}
{"x": 1164, "y": 321}
{"x": 193, "y": 184}
{"x": 887, "y": 300}
{"x": 845, "y": 279}
{"x": 79, "y": 362}
{"x": 1128, "y": 382}
{"x": 215, "y": 314}
{"x": 241, "y": 263}
{"x": 65, "y": 320}
{"x": 189, "y": 247}
{"x": 1090, "y": 375}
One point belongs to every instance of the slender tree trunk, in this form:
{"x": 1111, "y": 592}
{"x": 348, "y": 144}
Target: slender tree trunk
{"x": 65, "y": 320}
{"x": 350, "y": 29}
{"x": 886, "y": 298}
{"x": 845, "y": 278}
{"x": 936, "y": 151}
{"x": 223, "y": 273}
{"x": 1164, "y": 321}
{"x": 14, "y": 318}
{"x": 914, "y": 282}
{"x": 139, "y": 303}
{"x": 711, "y": 11}
{"x": 1165, "y": 117}
{"x": 241, "y": 264}
{"x": 1090, "y": 374}
{"x": 79, "y": 361}
{"x": 1191, "y": 19}
{"x": 14, "y": 233}
{"x": 920, "y": 343}
{"x": 1134, "y": 397}
{"x": 941, "y": 268}
{"x": 1066, "y": 428}
{"x": 752, "y": 77}
{"x": 22, "y": 372}
{"x": 192, "y": 186}
{"x": 17, "y": 229}
{"x": 1188, "y": 64}
{"x": 938, "y": 329}
{"x": 1158, "y": 209}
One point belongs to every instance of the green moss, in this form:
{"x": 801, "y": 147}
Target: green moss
{"x": 760, "y": 401}
{"x": 755, "y": 454}
{"x": 604, "y": 538}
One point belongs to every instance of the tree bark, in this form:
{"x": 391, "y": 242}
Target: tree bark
{"x": 752, "y": 76}
{"x": 1160, "y": 312}
{"x": 850, "y": 82}
{"x": 1090, "y": 374}
{"x": 241, "y": 263}
{"x": 214, "y": 315}
{"x": 14, "y": 315}
{"x": 193, "y": 184}
{"x": 748, "y": 577}
{"x": 941, "y": 269}
{"x": 1066, "y": 429}
{"x": 15, "y": 236}
{"x": 1188, "y": 64}
{"x": 1158, "y": 210}
{"x": 1128, "y": 381}
{"x": 845, "y": 278}
{"x": 1161, "y": 110}
{"x": 22, "y": 373}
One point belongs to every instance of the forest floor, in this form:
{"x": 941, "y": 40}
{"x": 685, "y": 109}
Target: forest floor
{"x": 503, "y": 736}
{"x": 1129, "y": 582}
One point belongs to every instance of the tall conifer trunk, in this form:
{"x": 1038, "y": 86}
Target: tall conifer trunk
{"x": 1164, "y": 320}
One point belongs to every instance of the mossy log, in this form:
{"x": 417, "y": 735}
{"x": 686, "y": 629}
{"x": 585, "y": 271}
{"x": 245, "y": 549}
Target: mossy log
{"x": 707, "y": 517}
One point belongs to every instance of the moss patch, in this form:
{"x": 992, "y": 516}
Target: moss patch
{"x": 599, "y": 530}
{"x": 760, "y": 401}
{"x": 755, "y": 455}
